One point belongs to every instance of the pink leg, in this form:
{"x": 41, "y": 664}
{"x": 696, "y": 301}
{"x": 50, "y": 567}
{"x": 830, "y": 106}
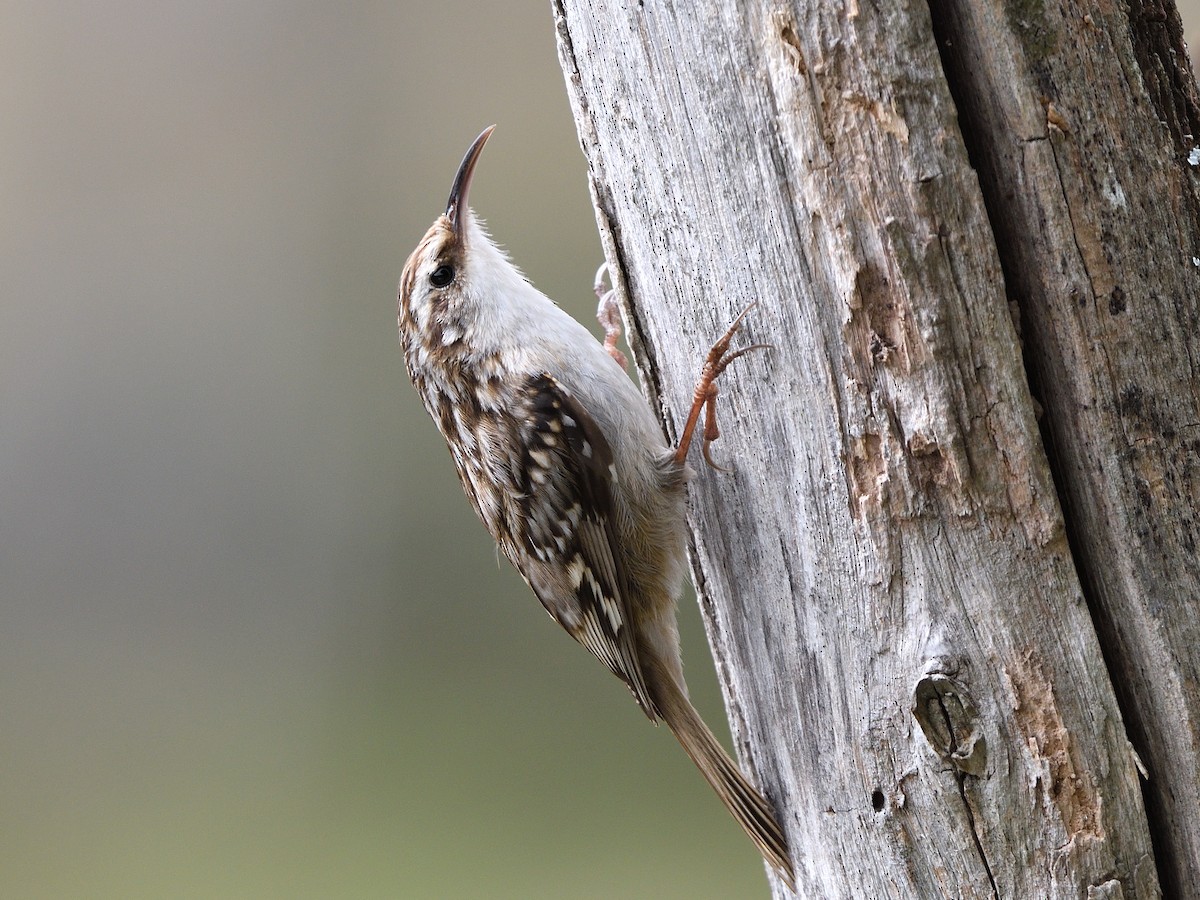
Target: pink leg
{"x": 608, "y": 314}
{"x": 705, "y": 397}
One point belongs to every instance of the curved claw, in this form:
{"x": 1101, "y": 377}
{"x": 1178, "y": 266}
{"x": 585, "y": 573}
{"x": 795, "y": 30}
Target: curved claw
{"x": 705, "y": 397}
{"x": 708, "y": 458}
{"x": 608, "y": 314}
{"x": 598, "y": 281}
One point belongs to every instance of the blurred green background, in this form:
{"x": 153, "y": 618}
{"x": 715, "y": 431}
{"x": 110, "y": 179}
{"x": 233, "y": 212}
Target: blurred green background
{"x": 253, "y": 642}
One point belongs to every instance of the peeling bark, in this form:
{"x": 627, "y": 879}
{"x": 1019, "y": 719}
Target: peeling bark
{"x": 1097, "y": 221}
{"x": 893, "y": 596}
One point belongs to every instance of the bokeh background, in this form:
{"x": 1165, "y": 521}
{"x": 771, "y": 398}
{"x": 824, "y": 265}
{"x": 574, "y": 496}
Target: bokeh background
{"x": 253, "y": 643}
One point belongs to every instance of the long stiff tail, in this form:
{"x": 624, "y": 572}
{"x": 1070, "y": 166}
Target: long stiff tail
{"x": 742, "y": 799}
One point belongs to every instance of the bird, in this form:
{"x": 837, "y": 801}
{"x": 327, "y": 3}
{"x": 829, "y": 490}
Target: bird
{"x": 567, "y": 467}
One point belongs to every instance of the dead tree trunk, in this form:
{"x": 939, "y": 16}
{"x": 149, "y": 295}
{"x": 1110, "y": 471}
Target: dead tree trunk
{"x": 918, "y": 650}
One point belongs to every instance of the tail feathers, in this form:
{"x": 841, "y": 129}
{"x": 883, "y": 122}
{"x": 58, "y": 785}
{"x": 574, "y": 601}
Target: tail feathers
{"x": 741, "y": 798}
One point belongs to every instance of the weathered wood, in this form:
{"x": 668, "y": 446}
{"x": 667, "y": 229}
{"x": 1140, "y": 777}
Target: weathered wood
{"x": 908, "y": 659}
{"x": 1083, "y": 126}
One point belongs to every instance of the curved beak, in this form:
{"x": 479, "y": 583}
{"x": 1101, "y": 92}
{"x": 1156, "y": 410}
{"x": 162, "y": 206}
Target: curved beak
{"x": 462, "y": 181}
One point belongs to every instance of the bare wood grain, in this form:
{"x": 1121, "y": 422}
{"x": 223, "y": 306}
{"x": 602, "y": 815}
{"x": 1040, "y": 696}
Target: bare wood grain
{"x": 909, "y": 663}
{"x": 1084, "y": 132}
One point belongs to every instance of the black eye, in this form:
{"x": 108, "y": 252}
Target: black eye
{"x": 442, "y": 276}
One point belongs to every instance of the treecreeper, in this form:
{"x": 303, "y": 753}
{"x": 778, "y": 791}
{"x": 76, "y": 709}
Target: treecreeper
{"x": 566, "y": 465}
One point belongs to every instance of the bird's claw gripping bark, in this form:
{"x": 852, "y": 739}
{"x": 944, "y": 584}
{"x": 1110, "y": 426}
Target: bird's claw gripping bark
{"x": 608, "y": 314}
{"x": 705, "y": 396}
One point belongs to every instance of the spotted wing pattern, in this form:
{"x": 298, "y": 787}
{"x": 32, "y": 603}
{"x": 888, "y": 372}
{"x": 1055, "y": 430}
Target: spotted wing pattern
{"x": 568, "y": 533}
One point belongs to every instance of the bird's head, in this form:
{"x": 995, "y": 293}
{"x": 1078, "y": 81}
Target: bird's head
{"x": 442, "y": 278}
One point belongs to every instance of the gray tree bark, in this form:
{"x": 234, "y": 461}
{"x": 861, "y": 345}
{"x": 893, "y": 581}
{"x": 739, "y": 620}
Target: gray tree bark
{"x": 917, "y": 648}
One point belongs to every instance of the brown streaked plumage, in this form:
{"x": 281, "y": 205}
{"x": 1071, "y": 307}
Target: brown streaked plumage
{"x": 565, "y": 464}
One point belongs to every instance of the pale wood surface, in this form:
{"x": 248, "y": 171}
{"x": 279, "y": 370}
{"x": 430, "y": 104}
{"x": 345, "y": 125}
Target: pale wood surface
{"x": 1094, "y": 203}
{"x": 910, "y": 666}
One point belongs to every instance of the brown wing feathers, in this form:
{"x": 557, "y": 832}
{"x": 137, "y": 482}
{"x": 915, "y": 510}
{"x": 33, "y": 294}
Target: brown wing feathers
{"x": 568, "y": 511}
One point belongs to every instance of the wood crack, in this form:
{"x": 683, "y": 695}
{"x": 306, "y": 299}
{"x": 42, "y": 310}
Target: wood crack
{"x": 788, "y": 207}
{"x": 960, "y": 779}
